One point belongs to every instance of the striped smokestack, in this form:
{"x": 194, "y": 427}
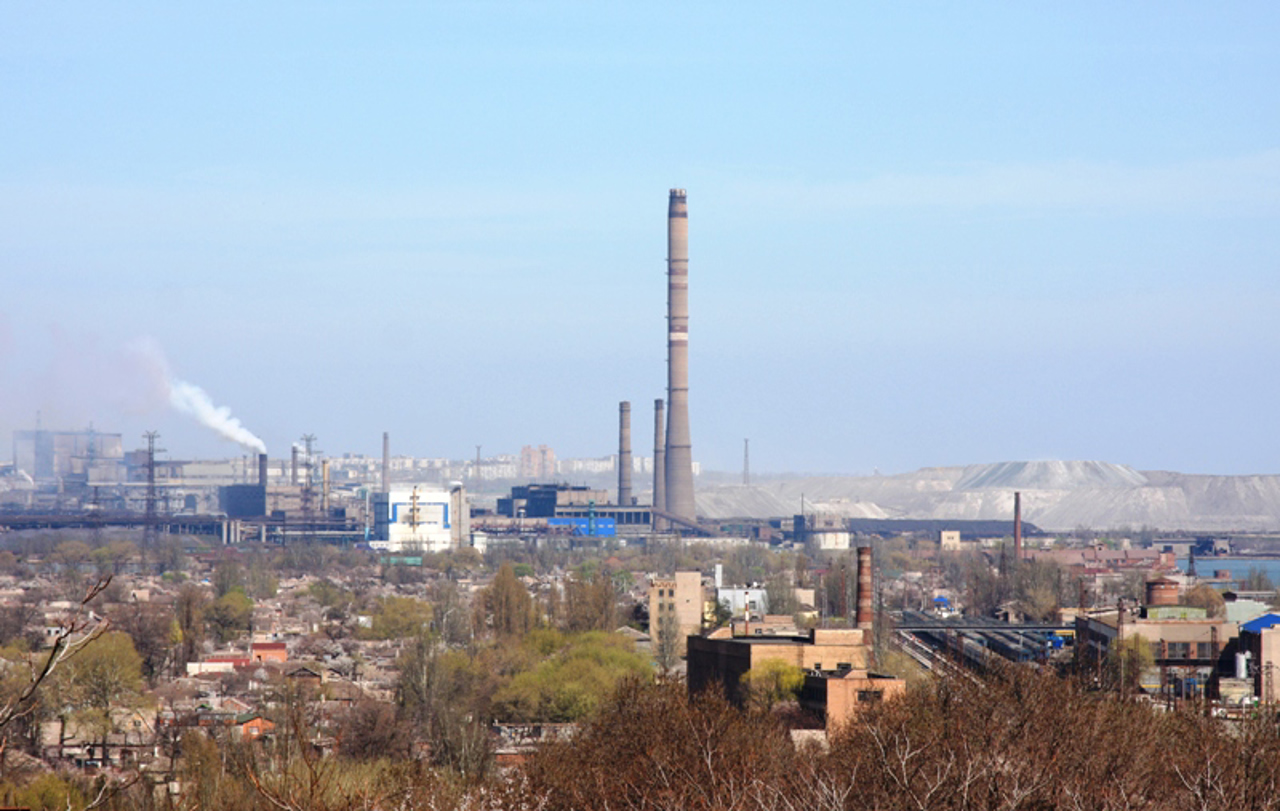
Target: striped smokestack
{"x": 659, "y": 463}
{"x": 679, "y": 456}
{"x": 624, "y": 453}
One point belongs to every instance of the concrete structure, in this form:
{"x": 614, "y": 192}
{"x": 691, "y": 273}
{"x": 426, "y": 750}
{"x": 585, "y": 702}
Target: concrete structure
{"x": 949, "y": 540}
{"x": 822, "y": 532}
{"x": 420, "y": 518}
{"x": 679, "y": 597}
{"x": 624, "y": 454}
{"x": 659, "y": 462}
{"x": 679, "y": 445}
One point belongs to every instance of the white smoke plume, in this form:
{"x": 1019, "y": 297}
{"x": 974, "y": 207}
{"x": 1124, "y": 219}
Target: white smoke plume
{"x": 192, "y": 400}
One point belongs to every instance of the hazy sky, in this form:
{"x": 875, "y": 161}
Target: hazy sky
{"x": 920, "y": 234}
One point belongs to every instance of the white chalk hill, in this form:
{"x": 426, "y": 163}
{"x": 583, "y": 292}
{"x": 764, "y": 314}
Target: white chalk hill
{"x": 1056, "y": 495}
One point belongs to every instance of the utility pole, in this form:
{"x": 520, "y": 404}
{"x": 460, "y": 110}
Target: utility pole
{"x": 152, "y": 450}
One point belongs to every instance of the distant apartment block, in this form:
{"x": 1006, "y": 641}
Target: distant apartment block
{"x": 677, "y": 602}
{"x": 537, "y": 463}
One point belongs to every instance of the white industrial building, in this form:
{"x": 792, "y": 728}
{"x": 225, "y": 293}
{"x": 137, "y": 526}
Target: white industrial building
{"x": 421, "y": 518}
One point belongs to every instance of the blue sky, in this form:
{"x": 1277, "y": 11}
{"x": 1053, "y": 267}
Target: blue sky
{"x": 920, "y": 235}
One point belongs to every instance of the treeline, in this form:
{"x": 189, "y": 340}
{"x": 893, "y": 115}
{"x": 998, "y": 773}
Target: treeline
{"x": 1022, "y": 740}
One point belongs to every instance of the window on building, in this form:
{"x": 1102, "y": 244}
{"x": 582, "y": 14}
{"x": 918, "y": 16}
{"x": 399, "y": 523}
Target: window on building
{"x": 869, "y": 696}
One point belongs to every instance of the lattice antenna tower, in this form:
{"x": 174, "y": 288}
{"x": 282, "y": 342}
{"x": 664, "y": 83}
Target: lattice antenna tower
{"x": 152, "y": 450}
{"x": 308, "y": 443}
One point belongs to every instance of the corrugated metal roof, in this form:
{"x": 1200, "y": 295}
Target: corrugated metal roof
{"x": 1261, "y": 623}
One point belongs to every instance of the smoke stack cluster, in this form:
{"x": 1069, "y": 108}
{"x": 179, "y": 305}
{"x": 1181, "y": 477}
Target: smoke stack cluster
{"x": 678, "y": 461}
{"x": 624, "y": 453}
{"x": 863, "y": 618}
{"x": 659, "y": 462}
{"x": 1017, "y": 526}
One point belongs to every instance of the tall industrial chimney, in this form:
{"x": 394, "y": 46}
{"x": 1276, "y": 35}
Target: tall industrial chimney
{"x": 1017, "y": 526}
{"x": 386, "y": 462}
{"x": 293, "y": 467}
{"x": 262, "y": 470}
{"x": 679, "y": 456}
{"x": 659, "y": 463}
{"x": 863, "y": 617}
{"x": 624, "y": 453}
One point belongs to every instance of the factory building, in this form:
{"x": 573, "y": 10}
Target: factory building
{"x": 1184, "y": 641}
{"x": 822, "y": 532}
{"x": 571, "y": 501}
{"x": 420, "y": 518}
{"x": 836, "y": 661}
{"x": 50, "y": 456}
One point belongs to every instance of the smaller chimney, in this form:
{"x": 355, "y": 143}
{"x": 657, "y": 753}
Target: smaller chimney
{"x": 863, "y": 617}
{"x": 293, "y": 467}
{"x": 624, "y": 454}
{"x": 386, "y": 462}
{"x": 324, "y": 492}
{"x": 659, "y": 463}
{"x": 1017, "y": 526}
{"x": 262, "y": 470}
